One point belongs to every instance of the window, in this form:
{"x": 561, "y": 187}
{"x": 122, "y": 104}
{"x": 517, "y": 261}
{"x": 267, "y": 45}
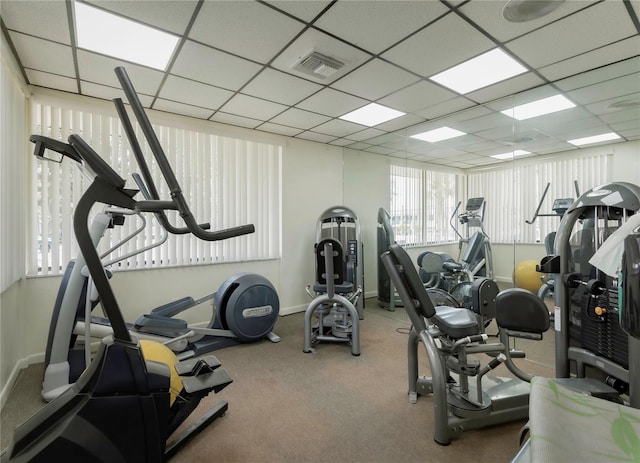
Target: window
{"x": 421, "y": 204}
{"x": 227, "y": 181}
{"x": 524, "y": 183}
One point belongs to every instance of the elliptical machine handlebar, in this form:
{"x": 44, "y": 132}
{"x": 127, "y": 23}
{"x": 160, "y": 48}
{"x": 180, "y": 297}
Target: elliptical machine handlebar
{"x": 174, "y": 187}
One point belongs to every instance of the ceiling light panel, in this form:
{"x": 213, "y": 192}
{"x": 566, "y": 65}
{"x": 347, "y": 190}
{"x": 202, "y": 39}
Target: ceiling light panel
{"x": 541, "y": 107}
{"x": 511, "y": 154}
{"x": 443, "y": 133}
{"x": 372, "y": 114}
{"x": 595, "y": 139}
{"x": 111, "y": 35}
{"x": 489, "y": 68}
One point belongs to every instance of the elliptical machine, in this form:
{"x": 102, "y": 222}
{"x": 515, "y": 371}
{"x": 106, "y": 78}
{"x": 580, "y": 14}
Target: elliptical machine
{"x": 558, "y": 208}
{"x": 131, "y": 398}
{"x": 475, "y": 258}
{"x": 245, "y": 307}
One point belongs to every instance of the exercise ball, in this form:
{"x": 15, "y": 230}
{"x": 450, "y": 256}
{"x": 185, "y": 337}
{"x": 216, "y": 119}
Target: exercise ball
{"x": 526, "y": 277}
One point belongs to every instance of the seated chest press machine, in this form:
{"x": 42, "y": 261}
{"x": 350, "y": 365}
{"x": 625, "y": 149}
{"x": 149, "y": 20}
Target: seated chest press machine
{"x": 464, "y": 395}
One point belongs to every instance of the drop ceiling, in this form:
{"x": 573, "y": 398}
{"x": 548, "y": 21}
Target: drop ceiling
{"x": 235, "y": 65}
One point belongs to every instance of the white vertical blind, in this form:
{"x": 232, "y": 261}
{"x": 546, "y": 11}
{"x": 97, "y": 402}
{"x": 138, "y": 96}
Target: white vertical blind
{"x": 513, "y": 193}
{"x": 13, "y": 175}
{"x": 228, "y": 182}
{"x": 421, "y": 203}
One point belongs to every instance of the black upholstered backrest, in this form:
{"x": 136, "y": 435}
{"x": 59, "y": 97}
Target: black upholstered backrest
{"x": 338, "y": 262}
{"x": 520, "y": 310}
{"x": 409, "y": 285}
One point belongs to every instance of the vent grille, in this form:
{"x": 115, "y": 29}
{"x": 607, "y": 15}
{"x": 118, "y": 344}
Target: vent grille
{"x": 318, "y": 65}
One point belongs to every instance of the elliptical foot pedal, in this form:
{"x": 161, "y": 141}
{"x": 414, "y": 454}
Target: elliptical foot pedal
{"x": 196, "y": 366}
{"x": 215, "y": 381}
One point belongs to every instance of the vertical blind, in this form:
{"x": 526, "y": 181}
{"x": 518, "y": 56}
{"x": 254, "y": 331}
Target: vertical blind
{"x": 227, "y": 181}
{"x": 513, "y": 194}
{"x": 13, "y": 175}
{"x": 421, "y": 203}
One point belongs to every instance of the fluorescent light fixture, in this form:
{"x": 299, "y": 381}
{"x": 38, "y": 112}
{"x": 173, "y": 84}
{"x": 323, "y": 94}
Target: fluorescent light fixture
{"x": 595, "y": 139}
{"x": 486, "y": 69}
{"x": 372, "y": 114}
{"x": 108, "y": 34}
{"x": 443, "y": 133}
{"x": 547, "y": 105}
{"x": 511, "y": 154}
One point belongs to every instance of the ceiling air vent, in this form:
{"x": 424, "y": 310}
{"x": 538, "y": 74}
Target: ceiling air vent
{"x": 318, "y": 65}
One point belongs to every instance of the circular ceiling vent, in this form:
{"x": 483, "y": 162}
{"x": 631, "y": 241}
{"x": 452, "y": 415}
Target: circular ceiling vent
{"x": 518, "y": 11}
{"x": 630, "y": 103}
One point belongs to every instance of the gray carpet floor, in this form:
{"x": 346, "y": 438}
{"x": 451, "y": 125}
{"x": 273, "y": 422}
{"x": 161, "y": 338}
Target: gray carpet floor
{"x": 288, "y": 406}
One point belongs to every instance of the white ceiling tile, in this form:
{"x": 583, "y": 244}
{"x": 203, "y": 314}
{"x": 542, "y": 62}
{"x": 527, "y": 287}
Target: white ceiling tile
{"x": 341, "y": 142}
{"x": 45, "y": 19}
{"x": 359, "y": 146}
{"x": 247, "y": 29}
{"x": 280, "y": 87}
{"x": 630, "y": 134}
{"x": 193, "y": 93}
{"x": 314, "y": 40}
{"x": 305, "y": 10}
{"x": 298, "y": 118}
{"x": 445, "y": 43}
{"x": 109, "y": 93}
{"x": 603, "y": 74}
{"x": 365, "y": 134}
{"x": 248, "y": 106}
{"x": 313, "y": 136}
{"x": 417, "y": 96}
{"x": 338, "y": 128}
{"x": 99, "y": 69}
{"x": 375, "y": 26}
{"x": 279, "y": 129}
{"x": 332, "y": 103}
{"x": 179, "y": 108}
{"x": 622, "y": 116}
{"x": 631, "y": 124}
{"x": 380, "y": 150}
{"x": 605, "y": 90}
{"x": 481, "y": 123}
{"x": 590, "y": 28}
{"x": 590, "y": 60}
{"x": 233, "y": 119}
{"x": 488, "y": 15}
{"x": 170, "y": 15}
{"x": 607, "y": 106}
{"x": 506, "y": 87}
{"x": 43, "y": 55}
{"x": 374, "y": 80}
{"x": 44, "y": 79}
{"x": 401, "y": 122}
{"x": 214, "y": 67}
{"x": 445, "y": 108}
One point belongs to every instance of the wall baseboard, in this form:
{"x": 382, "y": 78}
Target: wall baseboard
{"x": 15, "y": 372}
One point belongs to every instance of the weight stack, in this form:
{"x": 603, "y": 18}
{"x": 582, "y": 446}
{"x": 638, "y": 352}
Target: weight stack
{"x": 602, "y": 334}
